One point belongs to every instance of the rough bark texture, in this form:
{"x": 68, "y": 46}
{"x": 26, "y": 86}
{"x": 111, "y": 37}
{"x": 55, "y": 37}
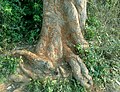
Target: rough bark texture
{"x": 63, "y": 23}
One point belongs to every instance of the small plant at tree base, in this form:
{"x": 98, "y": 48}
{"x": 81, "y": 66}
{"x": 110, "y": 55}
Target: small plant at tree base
{"x": 58, "y": 85}
{"x": 8, "y": 66}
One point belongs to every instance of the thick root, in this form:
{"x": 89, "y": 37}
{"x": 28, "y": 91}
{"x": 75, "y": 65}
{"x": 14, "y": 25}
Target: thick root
{"x": 3, "y": 87}
{"x": 38, "y": 67}
{"x": 79, "y": 70}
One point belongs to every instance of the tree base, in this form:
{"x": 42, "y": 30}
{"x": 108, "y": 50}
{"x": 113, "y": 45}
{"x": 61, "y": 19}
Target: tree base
{"x": 55, "y": 57}
{"x": 35, "y": 67}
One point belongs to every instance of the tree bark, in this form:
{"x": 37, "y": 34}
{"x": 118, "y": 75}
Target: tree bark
{"x": 55, "y": 56}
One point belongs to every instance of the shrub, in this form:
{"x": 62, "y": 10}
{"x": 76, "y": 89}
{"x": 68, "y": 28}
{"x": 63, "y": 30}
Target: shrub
{"x": 20, "y": 20}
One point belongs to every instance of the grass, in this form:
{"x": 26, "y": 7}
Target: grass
{"x": 59, "y": 85}
{"x": 102, "y": 58}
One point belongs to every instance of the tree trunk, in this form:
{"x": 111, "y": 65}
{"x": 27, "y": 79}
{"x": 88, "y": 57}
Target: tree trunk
{"x": 55, "y": 56}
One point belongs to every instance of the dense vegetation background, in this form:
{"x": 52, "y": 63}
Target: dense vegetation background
{"x": 20, "y": 25}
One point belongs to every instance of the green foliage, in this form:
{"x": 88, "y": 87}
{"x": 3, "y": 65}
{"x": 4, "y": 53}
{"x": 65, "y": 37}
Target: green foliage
{"x": 58, "y": 85}
{"x": 102, "y": 32}
{"x": 34, "y": 86}
{"x": 8, "y": 66}
{"x": 92, "y": 25}
{"x": 20, "y": 20}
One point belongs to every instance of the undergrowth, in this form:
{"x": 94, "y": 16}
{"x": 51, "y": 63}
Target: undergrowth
{"x": 8, "y": 66}
{"x": 59, "y": 85}
{"x": 20, "y": 21}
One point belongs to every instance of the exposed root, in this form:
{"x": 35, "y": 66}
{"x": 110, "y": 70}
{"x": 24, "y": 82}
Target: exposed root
{"x": 3, "y": 87}
{"x": 80, "y": 72}
{"x": 37, "y": 67}
{"x": 27, "y": 72}
{"x": 27, "y": 54}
